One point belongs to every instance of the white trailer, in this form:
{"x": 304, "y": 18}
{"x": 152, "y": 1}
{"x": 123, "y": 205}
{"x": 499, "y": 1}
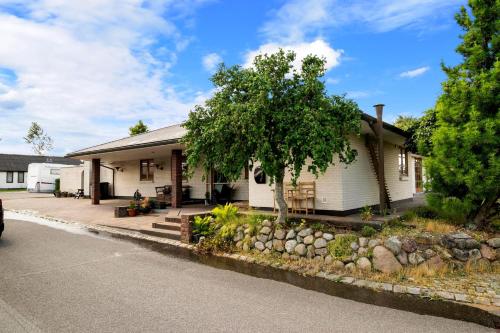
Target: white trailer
{"x": 42, "y": 176}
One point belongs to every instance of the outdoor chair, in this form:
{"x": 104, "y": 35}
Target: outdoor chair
{"x": 306, "y": 192}
{"x": 164, "y": 194}
{"x": 289, "y": 192}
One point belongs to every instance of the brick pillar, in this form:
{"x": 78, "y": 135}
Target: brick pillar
{"x": 176, "y": 170}
{"x": 96, "y": 180}
{"x": 186, "y": 228}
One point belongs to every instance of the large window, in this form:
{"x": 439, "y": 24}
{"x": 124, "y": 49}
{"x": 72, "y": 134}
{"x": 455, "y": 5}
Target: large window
{"x": 403, "y": 161}
{"x": 20, "y": 177}
{"x": 147, "y": 170}
{"x": 10, "y": 177}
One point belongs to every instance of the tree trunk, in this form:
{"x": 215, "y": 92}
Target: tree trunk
{"x": 280, "y": 200}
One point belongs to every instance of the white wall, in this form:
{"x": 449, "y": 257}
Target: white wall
{"x": 345, "y": 187}
{"x": 14, "y": 184}
{"x": 71, "y": 178}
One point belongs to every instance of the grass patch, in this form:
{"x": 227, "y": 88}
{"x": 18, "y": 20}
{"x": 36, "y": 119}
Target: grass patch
{"x": 340, "y": 248}
{"x": 13, "y": 190}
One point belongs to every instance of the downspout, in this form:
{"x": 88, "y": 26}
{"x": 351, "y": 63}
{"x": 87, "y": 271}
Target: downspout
{"x": 380, "y": 137}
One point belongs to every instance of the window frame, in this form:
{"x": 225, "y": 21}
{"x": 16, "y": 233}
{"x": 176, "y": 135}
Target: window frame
{"x": 11, "y": 173}
{"x": 19, "y": 173}
{"x": 150, "y": 172}
{"x": 403, "y": 161}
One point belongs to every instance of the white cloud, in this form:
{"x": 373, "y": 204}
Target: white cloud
{"x": 298, "y": 19}
{"x": 211, "y": 61}
{"x": 318, "y": 47}
{"x": 84, "y": 68}
{"x": 414, "y": 72}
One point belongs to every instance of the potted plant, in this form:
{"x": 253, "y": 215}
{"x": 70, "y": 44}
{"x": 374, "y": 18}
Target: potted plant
{"x": 131, "y": 211}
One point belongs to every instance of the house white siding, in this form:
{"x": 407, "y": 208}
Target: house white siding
{"x": 71, "y": 178}
{"x": 15, "y": 183}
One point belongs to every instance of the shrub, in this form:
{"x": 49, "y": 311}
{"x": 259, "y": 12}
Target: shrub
{"x": 368, "y": 231}
{"x": 340, "y": 248}
{"x": 57, "y": 186}
{"x": 449, "y": 208}
{"x": 203, "y": 226}
{"x": 366, "y": 213}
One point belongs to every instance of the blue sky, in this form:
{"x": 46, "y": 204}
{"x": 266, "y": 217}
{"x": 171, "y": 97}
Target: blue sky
{"x": 87, "y": 70}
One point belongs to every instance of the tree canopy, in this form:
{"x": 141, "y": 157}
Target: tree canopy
{"x": 464, "y": 164}
{"x": 138, "y": 128}
{"x": 38, "y": 139}
{"x": 420, "y": 131}
{"x": 275, "y": 114}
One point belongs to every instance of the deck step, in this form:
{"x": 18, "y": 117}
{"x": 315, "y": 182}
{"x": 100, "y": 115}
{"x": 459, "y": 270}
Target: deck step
{"x": 167, "y": 225}
{"x": 174, "y": 219}
{"x": 170, "y": 234}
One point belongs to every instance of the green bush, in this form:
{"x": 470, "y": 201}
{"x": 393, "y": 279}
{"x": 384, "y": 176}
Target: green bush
{"x": 203, "y": 226}
{"x": 227, "y": 220}
{"x": 366, "y": 213}
{"x": 340, "y": 248}
{"x": 57, "y": 186}
{"x": 368, "y": 231}
{"x": 449, "y": 208}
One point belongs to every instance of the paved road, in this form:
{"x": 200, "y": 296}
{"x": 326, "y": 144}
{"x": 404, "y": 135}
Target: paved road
{"x": 52, "y": 280}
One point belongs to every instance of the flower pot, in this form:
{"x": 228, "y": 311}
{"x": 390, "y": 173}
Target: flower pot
{"x": 131, "y": 212}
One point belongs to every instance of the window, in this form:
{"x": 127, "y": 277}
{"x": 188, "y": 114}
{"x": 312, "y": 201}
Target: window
{"x": 10, "y": 177}
{"x": 403, "y": 162}
{"x": 147, "y": 170}
{"x": 55, "y": 171}
{"x": 20, "y": 177}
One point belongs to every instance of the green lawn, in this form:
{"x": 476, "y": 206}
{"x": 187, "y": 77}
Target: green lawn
{"x": 12, "y": 189}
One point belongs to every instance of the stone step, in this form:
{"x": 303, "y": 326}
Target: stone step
{"x": 167, "y": 225}
{"x": 174, "y": 219}
{"x": 170, "y": 234}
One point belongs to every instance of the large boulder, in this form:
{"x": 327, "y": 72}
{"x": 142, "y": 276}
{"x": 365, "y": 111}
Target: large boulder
{"x": 393, "y": 244}
{"x": 487, "y": 252}
{"x": 409, "y": 245}
{"x": 290, "y": 245}
{"x": 385, "y": 261}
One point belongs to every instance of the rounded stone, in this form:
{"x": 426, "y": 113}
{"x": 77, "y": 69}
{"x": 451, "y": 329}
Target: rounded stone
{"x": 350, "y": 267}
{"x": 374, "y": 242}
{"x": 415, "y": 258}
{"x": 393, "y": 244}
{"x": 267, "y": 223}
{"x": 327, "y": 236}
{"x": 260, "y": 246}
{"x": 408, "y": 245}
{"x": 265, "y": 230}
{"x": 385, "y": 261}
{"x": 318, "y": 234}
{"x": 321, "y": 252}
{"x": 308, "y": 239}
{"x": 328, "y": 259}
{"x": 429, "y": 253}
{"x": 402, "y": 257}
{"x": 474, "y": 254}
{"x": 278, "y": 245}
{"x": 305, "y": 232}
{"x": 362, "y": 251}
{"x": 319, "y": 243}
{"x": 279, "y": 234}
{"x": 290, "y": 245}
{"x": 487, "y": 252}
{"x": 310, "y": 251}
{"x": 337, "y": 265}
{"x": 262, "y": 238}
{"x": 290, "y": 234}
{"x": 364, "y": 264}
{"x": 460, "y": 254}
{"x": 494, "y": 242}
{"x": 300, "y": 249}
{"x": 354, "y": 246}
{"x": 269, "y": 245}
{"x": 266, "y": 251}
{"x": 363, "y": 241}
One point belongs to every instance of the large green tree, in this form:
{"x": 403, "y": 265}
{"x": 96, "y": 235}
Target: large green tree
{"x": 464, "y": 166}
{"x": 275, "y": 114}
{"x": 420, "y": 131}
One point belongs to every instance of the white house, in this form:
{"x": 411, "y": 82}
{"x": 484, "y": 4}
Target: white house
{"x": 14, "y": 168}
{"x": 155, "y": 159}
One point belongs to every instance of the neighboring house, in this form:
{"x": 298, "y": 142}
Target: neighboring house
{"x": 156, "y": 158}
{"x": 14, "y": 168}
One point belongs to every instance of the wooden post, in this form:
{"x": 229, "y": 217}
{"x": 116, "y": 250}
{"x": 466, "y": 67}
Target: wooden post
{"x": 96, "y": 181}
{"x": 176, "y": 170}
{"x": 380, "y": 137}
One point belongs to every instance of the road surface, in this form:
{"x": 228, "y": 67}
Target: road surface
{"x": 53, "y": 280}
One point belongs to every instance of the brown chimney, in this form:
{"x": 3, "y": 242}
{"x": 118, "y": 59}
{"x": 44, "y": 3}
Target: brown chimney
{"x": 379, "y": 108}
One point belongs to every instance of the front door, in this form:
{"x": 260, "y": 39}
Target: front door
{"x": 418, "y": 175}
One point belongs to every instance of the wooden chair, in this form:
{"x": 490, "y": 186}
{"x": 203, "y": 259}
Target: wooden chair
{"x": 290, "y": 192}
{"x": 306, "y": 191}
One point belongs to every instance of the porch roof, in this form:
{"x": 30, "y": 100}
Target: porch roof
{"x": 172, "y": 134}
{"x": 161, "y": 136}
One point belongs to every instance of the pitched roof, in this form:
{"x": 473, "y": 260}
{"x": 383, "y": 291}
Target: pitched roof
{"x": 11, "y": 162}
{"x": 161, "y": 136}
{"x": 172, "y": 134}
